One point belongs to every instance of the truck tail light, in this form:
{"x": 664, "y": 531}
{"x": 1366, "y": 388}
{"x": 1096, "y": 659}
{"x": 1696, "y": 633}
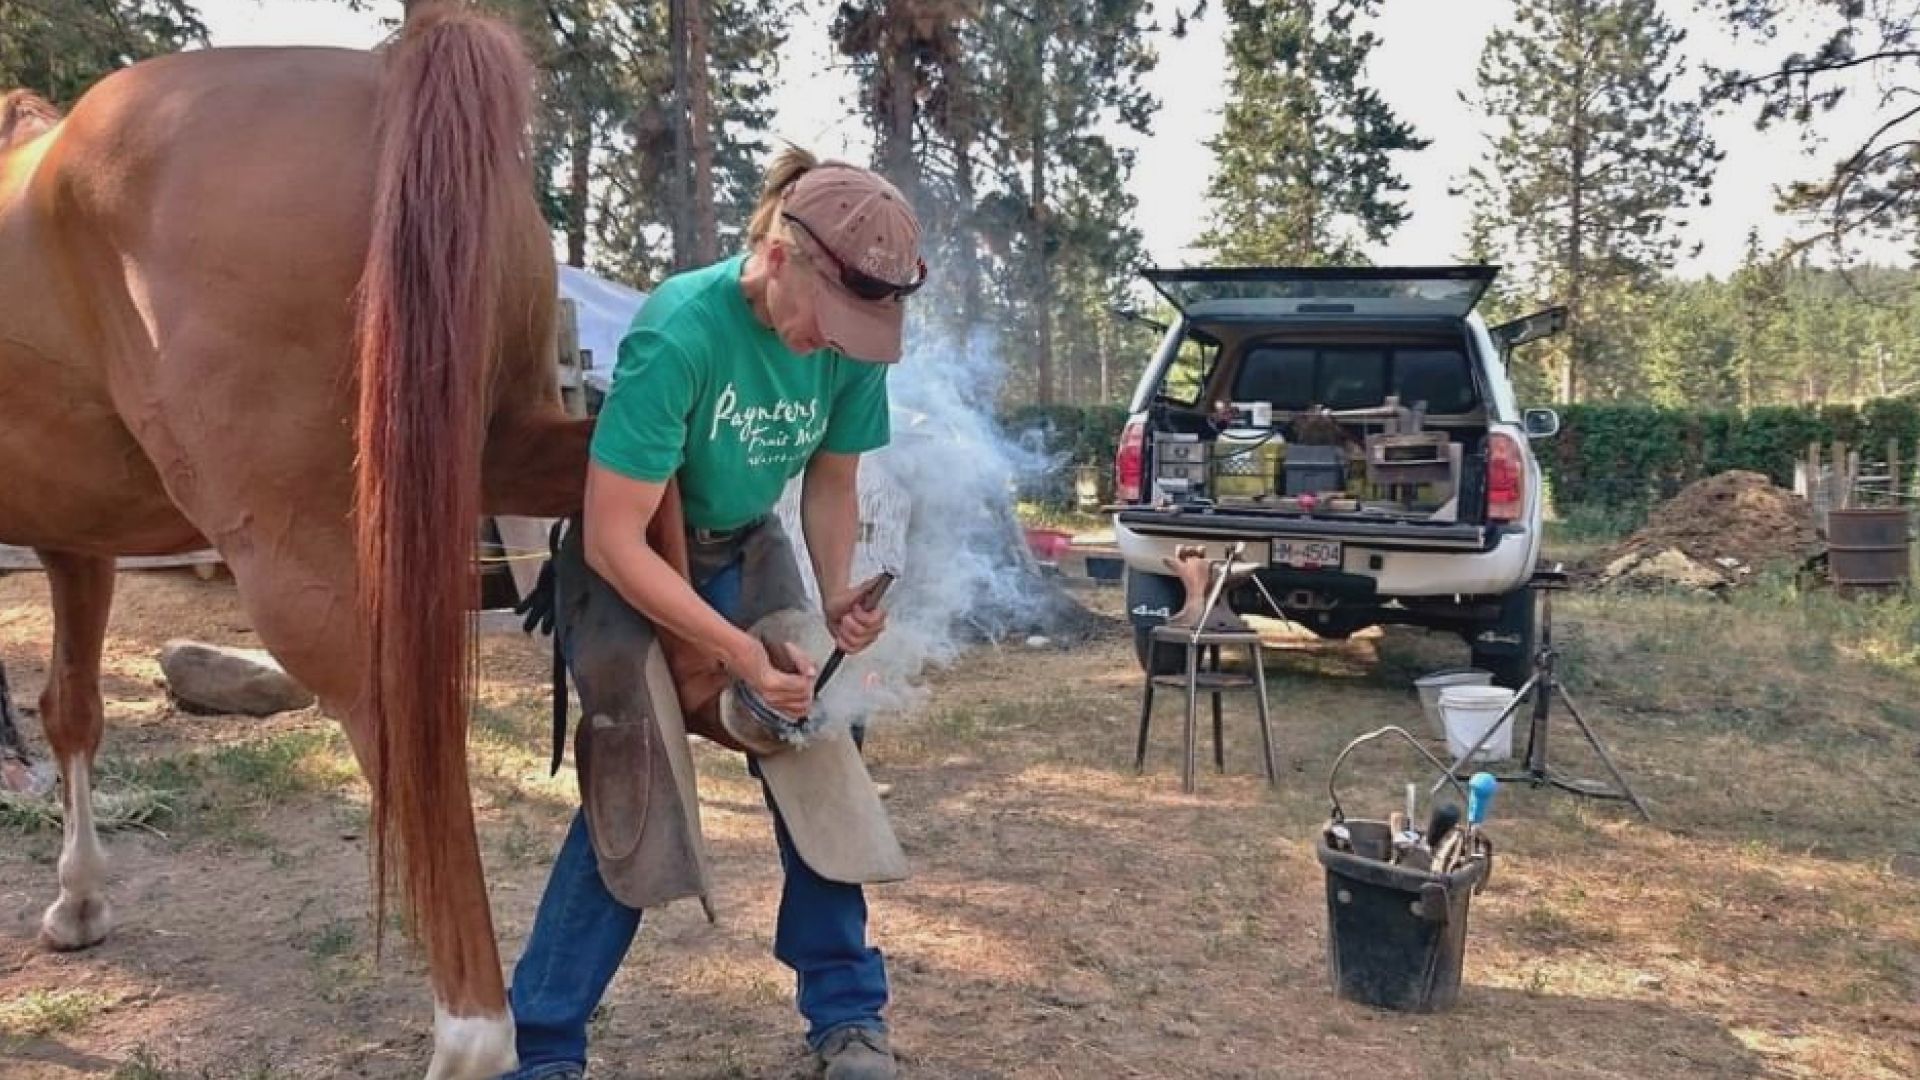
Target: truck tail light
{"x": 1129, "y": 463}
{"x": 1506, "y": 478}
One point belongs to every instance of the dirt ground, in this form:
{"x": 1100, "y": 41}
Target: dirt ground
{"x": 1067, "y": 918}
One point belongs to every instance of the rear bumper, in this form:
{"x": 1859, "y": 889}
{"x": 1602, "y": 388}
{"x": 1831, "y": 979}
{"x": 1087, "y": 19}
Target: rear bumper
{"x": 1400, "y": 561}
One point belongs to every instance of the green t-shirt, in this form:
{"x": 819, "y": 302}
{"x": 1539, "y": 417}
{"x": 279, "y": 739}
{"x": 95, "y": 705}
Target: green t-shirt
{"x": 703, "y": 389}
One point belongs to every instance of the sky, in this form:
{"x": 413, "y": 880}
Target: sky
{"x": 1425, "y": 61}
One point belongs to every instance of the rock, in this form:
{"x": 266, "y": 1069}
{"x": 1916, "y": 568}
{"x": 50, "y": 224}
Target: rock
{"x": 1038, "y": 641}
{"x": 1668, "y": 568}
{"x": 216, "y": 679}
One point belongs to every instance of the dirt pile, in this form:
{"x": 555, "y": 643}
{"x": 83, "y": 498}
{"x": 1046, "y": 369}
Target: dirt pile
{"x": 1715, "y": 533}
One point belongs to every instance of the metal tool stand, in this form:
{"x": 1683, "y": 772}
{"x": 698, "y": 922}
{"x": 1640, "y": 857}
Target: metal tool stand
{"x": 1209, "y": 680}
{"x": 1544, "y": 684}
{"x": 1212, "y": 681}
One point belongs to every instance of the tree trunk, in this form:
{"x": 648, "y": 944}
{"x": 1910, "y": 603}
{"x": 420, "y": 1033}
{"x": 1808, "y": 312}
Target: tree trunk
{"x": 579, "y": 178}
{"x": 680, "y": 173}
{"x": 706, "y": 233}
{"x": 1106, "y": 373}
{"x": 1576, "y": 197}
{"x": 1043, "y": 285}
{"x": 964, "y": 239}
{"x": 897, "y": 69}
{"x": 1310, "y": 238}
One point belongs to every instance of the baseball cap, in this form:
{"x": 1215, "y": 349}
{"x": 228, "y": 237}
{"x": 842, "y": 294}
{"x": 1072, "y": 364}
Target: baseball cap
{"x": 864, "y": 243}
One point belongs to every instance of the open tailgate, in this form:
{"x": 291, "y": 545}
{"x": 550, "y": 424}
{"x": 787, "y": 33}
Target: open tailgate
{"x": 1370, "y": 291}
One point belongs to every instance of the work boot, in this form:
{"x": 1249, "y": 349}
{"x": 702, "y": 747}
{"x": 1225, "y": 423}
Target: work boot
{"x": 857, "y": 1053}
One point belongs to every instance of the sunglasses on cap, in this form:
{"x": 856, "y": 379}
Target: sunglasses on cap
{"x": 863, "y": 285}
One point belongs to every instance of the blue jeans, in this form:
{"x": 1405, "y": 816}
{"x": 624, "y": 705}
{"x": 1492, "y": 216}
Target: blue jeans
{"x": 582, "y": 933}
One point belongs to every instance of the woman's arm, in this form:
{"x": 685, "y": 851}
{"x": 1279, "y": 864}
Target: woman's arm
{"x": 618, "y": 510}
{"x": 830, "y": 520}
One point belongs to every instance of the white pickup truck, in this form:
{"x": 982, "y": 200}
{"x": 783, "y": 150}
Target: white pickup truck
{"x": 1356, "y": 430}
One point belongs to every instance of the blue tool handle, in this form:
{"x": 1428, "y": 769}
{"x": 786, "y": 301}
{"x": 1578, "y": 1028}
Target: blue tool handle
{"x": 1480, "y": 791}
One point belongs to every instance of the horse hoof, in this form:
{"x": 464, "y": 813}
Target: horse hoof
{"x": 471, "y": 1047}
{"x": 72, "y": 924}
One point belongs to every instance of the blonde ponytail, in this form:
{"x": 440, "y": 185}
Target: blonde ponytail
{"x": 789, "y": 165}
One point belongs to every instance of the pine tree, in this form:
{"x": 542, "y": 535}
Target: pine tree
{"x": 1060, "y": 69}
{"x": 641, "y": 220}
{"x": 1759, "y": 291}
{"x": 696, "y": 241}
{"x": 1596, "y": 153}
{"x": 1688, "y": 355}
{"x": 1304, "y": 159}
{"x": 910, "y": 52}
{"x": 919, "y": 92}
{"x": 1858, "y": 49}
{"x": 59, "y": 48}
{"x": 990, "y": 116}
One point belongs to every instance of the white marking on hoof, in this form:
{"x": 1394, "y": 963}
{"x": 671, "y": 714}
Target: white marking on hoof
{"x": 471, "y": 1047}
{"x": 82, "y": 916}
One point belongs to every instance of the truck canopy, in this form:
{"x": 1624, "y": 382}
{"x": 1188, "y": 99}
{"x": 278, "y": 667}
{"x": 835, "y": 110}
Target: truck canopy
{"x": 1234, "y": 293}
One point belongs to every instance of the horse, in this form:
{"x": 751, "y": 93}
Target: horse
{"x": 296, "y": 304}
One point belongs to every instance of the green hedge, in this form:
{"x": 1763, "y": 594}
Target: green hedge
{"x": 1086, "y": 434}
{"x": 1623, "y": 458}
{"x": 1072, "y": 435}
{"x": 1613, "y": 461}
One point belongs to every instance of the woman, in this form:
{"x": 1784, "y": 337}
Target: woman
{"x": 734, "y": 379}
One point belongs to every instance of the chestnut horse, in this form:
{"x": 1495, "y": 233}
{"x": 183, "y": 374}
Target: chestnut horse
{"x": 296, "y": 304}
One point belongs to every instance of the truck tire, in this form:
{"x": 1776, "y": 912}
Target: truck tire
{"x": 1510, "y": 655}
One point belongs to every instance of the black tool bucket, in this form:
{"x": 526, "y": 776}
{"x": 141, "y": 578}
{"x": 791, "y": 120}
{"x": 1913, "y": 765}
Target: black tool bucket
{"x": 1396, "y": 936}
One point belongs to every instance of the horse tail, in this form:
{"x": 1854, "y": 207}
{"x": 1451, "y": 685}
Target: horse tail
{"x": 452, "y": 155}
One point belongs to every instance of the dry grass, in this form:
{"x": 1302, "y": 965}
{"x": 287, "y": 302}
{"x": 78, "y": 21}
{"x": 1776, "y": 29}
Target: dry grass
{"x": 1069, "y": 919}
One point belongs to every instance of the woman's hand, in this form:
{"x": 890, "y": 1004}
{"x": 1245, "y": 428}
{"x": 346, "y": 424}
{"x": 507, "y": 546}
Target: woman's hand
{"x": 854, "y": 627}
{"x": 786, "y": 687}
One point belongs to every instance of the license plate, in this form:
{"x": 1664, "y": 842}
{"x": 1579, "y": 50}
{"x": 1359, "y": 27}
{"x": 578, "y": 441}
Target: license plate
{"x": 1307, "y": 554}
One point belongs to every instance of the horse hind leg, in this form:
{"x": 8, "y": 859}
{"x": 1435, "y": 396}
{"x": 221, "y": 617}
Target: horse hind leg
{"x": 299, "y": 598}
{"x": 71, "y": 713}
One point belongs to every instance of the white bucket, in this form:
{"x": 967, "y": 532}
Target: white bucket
{"x": 1469, "y": 711}
{"x": 1430, "y": 685}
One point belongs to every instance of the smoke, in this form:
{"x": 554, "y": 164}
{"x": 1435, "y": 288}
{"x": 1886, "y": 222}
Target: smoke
{"x": 937, "y": 507}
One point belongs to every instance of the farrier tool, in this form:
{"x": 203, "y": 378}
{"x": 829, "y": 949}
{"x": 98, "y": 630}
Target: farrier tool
{"x": 777, "y": 725}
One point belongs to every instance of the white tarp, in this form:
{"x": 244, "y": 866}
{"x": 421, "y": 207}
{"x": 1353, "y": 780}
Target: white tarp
{"x": 605, "y": 309}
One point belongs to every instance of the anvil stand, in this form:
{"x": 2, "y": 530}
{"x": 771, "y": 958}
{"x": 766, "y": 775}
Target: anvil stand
{"x": 1544, "y": 684}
